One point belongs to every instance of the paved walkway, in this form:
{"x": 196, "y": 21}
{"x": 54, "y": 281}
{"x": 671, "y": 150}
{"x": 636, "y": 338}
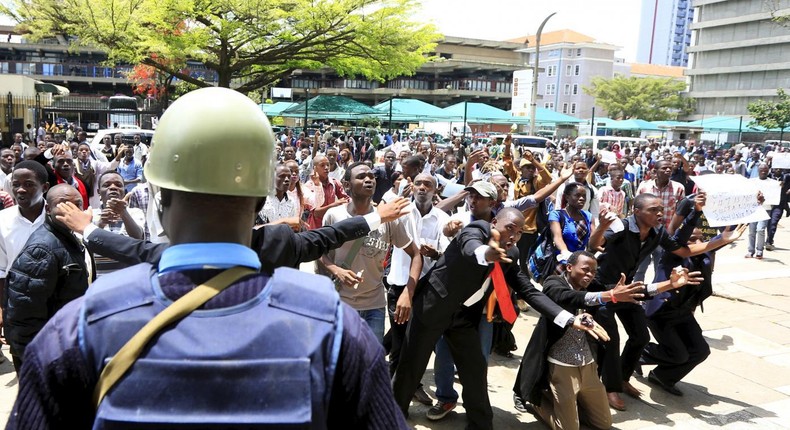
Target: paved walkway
{"x": 744, "y": 384}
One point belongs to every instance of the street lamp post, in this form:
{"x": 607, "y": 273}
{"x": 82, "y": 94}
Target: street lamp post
{"x": 463, "y": 126}
{"x": 306, "y": 102}
{"x": 390, "y": 119}
{"x": 533, "y": 106}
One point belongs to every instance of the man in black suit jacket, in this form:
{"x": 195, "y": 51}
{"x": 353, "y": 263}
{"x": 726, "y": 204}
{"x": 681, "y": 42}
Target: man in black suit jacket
{"x": 437, "y": 309}
{"x": 277, "y": 245}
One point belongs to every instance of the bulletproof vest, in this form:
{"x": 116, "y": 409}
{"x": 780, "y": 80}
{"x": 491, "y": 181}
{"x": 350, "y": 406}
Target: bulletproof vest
{"x": 265, "y": 363}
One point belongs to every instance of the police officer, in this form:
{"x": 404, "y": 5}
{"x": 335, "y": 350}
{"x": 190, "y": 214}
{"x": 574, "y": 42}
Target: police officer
{"x": 236, "y": 348}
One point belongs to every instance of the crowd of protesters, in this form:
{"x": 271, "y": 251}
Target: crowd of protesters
{"x": 586, "y": 230}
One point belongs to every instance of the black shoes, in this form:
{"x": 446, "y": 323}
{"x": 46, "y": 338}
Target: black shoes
{"x": 671, "y": 389}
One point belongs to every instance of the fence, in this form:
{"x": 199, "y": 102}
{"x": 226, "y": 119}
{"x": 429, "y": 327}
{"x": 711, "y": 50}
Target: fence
{"x": 90, "y": 113}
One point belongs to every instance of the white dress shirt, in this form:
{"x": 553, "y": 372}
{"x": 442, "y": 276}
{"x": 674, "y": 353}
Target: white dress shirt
{"x": 15, "y": 230}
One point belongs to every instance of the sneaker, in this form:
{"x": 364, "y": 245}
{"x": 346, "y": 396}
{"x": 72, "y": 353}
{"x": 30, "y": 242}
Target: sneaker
{"x": 769, "y": 247}
{"x": 758, "y": 255}
{"x": 519, "y": 404}
{"x": 422, "y": 397}
{"x": 440, "y": 410}
{"x": 749, "y": 255}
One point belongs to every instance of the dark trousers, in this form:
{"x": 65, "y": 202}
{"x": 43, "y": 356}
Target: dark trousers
{"x": 680, "y": 348}
{"x": 524, "y": 244}
{"x": 463, "y": 339}
{"x": 616, "y": 368}
{"x": 397, "y": 332}
{"x": 776, "y": 215}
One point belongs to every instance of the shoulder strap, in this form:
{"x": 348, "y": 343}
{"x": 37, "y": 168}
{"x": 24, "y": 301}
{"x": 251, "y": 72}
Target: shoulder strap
{"x": 124, "y": 359}
{"x": 352, "y": 253}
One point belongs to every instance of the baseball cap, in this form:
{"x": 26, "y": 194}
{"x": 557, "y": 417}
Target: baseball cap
{"x": 485, "y": 189}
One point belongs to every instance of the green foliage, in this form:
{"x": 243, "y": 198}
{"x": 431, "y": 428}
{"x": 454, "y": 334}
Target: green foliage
{"x": 369, "y": 121}
{"x": 278, "y": 120}
{"x": 771, "y": 114}
{"x": 650, "y": 99}
{"x": 250, "y": 43}
{"x": 256, "y": 96}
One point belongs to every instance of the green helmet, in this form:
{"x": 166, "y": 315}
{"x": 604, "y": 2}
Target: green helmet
{"x": 213, "y": 141}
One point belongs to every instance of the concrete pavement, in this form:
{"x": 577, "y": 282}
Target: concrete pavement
{"x": 744, "y": 384}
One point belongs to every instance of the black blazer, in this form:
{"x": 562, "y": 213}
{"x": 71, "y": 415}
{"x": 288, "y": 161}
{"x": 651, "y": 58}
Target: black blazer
{"x": 457, "y": 276}
{"x": 533, "y": 372}
{"x": 276, "y": 245}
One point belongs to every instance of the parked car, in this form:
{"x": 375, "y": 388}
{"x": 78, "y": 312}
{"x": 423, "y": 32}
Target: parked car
{"x": 127, "y": 136}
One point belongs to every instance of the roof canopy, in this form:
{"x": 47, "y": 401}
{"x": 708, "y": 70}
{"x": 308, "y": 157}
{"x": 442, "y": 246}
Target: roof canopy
{"x": 275, "y": 109}
{"x": 331, "y": 107}
{"x": 543, "y": 116}
{"x": 724, "y": 123}
{"x": 413, "y": 110}
{"x": 633, "y": 124}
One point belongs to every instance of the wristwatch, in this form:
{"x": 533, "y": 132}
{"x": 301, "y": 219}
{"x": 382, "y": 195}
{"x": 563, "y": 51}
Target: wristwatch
{"x": 570, "y": 322}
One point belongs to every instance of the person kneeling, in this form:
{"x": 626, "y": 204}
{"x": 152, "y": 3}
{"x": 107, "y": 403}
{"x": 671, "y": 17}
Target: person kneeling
{"x": 558, "y": 373}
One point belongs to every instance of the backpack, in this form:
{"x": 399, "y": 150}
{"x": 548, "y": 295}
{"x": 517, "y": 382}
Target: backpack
{"x": 542, "y": 261}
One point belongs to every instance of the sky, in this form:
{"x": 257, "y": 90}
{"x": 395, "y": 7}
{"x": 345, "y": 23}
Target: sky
{"x": 610, "y": 21}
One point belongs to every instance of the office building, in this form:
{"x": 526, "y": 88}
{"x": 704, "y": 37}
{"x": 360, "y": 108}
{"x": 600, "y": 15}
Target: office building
{"x": 568, "y": 62}
{"x": 665, "y": 32}
{"x": 738, "y": 55}
{"x": 464, "y": 69}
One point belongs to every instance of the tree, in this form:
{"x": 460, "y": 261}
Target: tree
{"x": 772, "y": 114}
{"x": 650, "y": 99}
{"x": 149, "y": 81}
{"x": 251, "y": 43}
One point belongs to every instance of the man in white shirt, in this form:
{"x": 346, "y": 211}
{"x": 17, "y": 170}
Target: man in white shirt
{"x": 281, "y": 209}
{"x": 140, "y": 149}
{"x": 115, "y": 216}
{"x": 88, "y": 170}
{"x": 17, "y": 223}
{"x": 424, "y": 223}
{"x": 7, "y": 161}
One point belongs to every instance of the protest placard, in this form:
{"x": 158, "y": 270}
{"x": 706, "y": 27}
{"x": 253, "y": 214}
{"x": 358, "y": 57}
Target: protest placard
{"x": 771, "y": 189}
{"x": 780, "y": 160}
{"x": 731, "y": 199}
{"x": 608, "y": 157}
{"x": 452, "y": 189}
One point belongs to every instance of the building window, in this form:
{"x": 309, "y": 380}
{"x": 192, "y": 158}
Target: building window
{"x": 548, "y": 105}
{"x": 567, "y": 89}
{"x": 573, "y": 108}
{"x": 565, "y": 108}
{"x": 551, "y": 71}
{"x": 550, "y": 89}
{"x": 576, "y": 70}
{"x": 575, "y": 89}
{"x": 568, "y": 70}
{"x": 579, "y": 52}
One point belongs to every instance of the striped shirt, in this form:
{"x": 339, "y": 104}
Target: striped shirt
{"x": 670, "y": 195}
{"x": 615, "y": 198}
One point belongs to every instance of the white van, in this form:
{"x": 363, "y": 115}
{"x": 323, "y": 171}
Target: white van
{"x": 598, "y": 143}
{"x": 533, "y": 143}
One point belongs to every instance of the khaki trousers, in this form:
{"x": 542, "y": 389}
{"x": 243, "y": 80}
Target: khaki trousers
{"x": 574, "y": 389}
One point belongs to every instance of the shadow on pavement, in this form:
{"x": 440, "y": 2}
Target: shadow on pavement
{"x": 691, "y": 402}
{"x": 722, "y": 344}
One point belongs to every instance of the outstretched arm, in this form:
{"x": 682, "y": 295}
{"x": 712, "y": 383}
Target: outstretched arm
{"x": 545, "y": 192}
{"x": 312, "y": 244}
{"x": 124, "y": 249}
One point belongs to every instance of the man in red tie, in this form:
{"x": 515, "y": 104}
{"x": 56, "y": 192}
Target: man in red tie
{"x": 63, "y": 166}
{"x": 448, "y": 302}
